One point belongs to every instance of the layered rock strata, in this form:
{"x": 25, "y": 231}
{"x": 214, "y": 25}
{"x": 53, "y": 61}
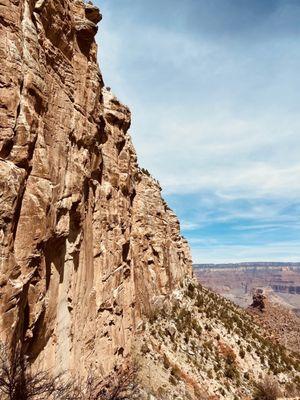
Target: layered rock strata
{"x": 87, "y": 244}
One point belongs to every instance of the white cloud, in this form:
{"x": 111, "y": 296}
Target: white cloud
{"x": 234, "y": 129}
{"x": 285, "y": 251}
{"x": 188, "y": 226}
{"x": 235, "y": 158}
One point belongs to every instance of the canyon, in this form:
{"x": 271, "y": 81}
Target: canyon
{"x": 94, "y": 270}
{"x": 238, "y": 281}
{"x": 275, "y": 285}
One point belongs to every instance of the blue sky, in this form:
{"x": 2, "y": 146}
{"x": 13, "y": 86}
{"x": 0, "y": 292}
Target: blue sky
{"x": 214, "y": 90}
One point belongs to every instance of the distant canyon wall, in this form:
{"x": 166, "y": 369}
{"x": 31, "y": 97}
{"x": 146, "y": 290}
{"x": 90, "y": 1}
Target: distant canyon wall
{"x": 87, "y": 244}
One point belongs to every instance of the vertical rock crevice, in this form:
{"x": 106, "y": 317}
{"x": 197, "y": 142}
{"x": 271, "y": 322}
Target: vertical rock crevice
{"x": 87, "y": 244}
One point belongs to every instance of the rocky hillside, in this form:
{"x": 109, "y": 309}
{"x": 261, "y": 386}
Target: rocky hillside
{"x": 280, "y": 321}
{"x": 94, "y": 270}
{"x": 198, "y": 345}
{"x": 87, "y": 243}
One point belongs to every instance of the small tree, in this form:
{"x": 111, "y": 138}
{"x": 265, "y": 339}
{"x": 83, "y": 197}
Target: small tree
{"x": 121, "y": 386}
{"x": 18, "y": 381}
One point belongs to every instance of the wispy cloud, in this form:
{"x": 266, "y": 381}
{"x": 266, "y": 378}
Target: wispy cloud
{"x": 189, "y": 226}
{"x": 232, "y": 253}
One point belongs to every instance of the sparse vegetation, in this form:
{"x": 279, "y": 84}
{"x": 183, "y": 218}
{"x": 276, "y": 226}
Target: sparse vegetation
{"x": 231, "y": 371}
{"x": 19, "y": 381}
{"x": 215, "y": 338}
{"x": 145, "y": 171}
{"x": 242, "y": 353}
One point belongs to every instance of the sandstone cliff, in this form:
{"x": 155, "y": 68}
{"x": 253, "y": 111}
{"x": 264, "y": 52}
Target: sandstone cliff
{"x": 87, "y": 243}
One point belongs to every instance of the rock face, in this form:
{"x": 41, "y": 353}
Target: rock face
{"x": 258, "y": 302}
{"x": 87, "y": 243}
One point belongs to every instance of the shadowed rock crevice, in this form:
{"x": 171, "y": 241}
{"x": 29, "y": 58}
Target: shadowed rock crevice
{"x": 18, "y": 208}
{"x": 6, "y": 148}
{"x": 54, "y": 252}
{"x": 33, "y": 347}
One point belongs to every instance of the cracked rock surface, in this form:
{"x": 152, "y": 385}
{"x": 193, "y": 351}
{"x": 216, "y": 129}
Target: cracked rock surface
{"x": 87, "y": 245}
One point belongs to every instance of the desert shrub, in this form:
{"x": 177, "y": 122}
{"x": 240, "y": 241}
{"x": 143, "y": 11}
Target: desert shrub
{"x": 246, "y": 375}
{"x": 120, "y": 385}
{"x": 161, "y": 391}
{"x": 217, "y": 367}
{"x": 199, "y": 301}
{"x": 191, "y": 290}
{"x": 145, "y": 171}
{"x": 200, "y": 395}
{"x": 230, "y": 357}
{"x": 242, "y": 353}
{"x": 231, "y": 372}
{"x": 183, "y": 320}
{"x": 297, "y": 382}
{"x": 18, "y": 381}
{"x": 175, "y": 309}
{"x": 197, "y": 328}
{"x": 266, "y": 389}
{"x": 145, "y": 349}
{"x": 291, "y": 390}
{"x": 153, "y": 315}
{"x": 186, "y": 337}
{"x": 153, "y": 332}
